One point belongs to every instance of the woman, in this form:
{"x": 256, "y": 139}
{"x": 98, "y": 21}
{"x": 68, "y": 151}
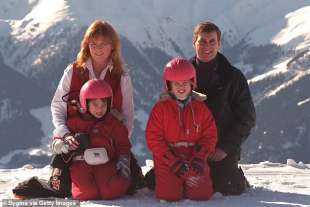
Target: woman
{"x": 99, "y": 58}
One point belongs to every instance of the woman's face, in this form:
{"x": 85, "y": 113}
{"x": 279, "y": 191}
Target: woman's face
{"x": 181, "y": 89}
{"x": 100, "y": 48}
{"x": 98, "y": 107}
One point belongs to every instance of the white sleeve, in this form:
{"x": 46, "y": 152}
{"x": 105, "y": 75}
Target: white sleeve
{"x": 59, "y": 106}
{"x": 127, "y": 105}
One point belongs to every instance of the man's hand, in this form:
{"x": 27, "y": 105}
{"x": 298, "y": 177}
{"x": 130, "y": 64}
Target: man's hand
{"x": 217, "y": 155}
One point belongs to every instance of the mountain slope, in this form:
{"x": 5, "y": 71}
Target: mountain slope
{"x": 268, "y": 41}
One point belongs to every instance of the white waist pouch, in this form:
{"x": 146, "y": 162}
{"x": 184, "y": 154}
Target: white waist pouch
{"x": 96, "y": 156}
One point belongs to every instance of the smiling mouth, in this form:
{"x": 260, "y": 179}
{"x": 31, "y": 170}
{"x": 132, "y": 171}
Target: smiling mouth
{"x": 99, "y": 54}
{"x": 207, "y": 52}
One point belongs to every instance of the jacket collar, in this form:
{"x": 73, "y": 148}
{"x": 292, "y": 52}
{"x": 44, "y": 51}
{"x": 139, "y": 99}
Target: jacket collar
{"x": 224, "y": 67}
{"x": 90, "y": 68}
{"x": 194, "y": 96}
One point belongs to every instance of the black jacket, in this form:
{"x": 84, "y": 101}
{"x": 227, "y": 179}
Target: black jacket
{"x": 229, "y": 99}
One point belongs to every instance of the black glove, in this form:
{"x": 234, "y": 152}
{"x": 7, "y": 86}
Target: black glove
{"x": 197, "y": 165}
{"x": 83, "y": 139}
{"x": 177, "y": 165}
{"x": 179, "y": 168}
{"x": 123, "y": 165}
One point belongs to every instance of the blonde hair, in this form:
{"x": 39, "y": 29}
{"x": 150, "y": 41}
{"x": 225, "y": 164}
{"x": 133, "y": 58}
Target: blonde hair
{"x": 102, "y": 28}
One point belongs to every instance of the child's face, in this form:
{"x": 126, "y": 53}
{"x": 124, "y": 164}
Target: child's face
{"x": 181, "y": 89}
{"x": 97, "y": 107}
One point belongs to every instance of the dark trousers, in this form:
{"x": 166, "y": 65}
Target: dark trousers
{"x": 227, "y": 177}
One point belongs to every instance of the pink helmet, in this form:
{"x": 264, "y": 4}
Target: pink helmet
{"x": 179, "y": 69}
{"x": 94, "y": 89}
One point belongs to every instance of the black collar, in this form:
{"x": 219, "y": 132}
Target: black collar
{"x": 211, "y": 65}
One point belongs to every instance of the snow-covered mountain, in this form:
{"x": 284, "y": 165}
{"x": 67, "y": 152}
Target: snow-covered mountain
{"x": 268, "y": 40}
{"x": 272, "y": 185}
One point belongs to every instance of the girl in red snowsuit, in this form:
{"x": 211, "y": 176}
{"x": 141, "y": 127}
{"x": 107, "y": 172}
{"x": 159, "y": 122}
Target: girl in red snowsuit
{"x": 181, "y": 133}
{"x": 107, "y": 178}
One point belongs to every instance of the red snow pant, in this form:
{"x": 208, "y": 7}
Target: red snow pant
{"x": 96, "y": 182}
{"x": 169, "y": 187}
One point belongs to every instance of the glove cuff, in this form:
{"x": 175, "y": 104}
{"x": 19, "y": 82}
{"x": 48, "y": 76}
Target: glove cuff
{"x": 59, "y": 147}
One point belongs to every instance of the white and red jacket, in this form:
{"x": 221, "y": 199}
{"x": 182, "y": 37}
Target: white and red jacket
{"x": 169, "y": 124}
{"x": 70, "y": 84}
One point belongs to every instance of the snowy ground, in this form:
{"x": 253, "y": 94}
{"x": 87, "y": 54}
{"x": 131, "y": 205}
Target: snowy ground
{"x": 273, "y": 185}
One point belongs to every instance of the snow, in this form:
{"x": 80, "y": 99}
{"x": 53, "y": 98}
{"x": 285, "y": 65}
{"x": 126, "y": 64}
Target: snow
{"x": 43, "y": 15}
{"x": 277, "y": 69}
{"x": 300, "y": 75}
{"x": 272, "y": 185}
{"x": 303, "y": 102}
{"x": 164, "y": 20}
{"x": 158, "y": 23}
{"x": 281, "y": 69}
{"x": 296, "y": 28}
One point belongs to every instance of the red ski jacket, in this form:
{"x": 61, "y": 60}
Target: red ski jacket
{"x": 169, "y": 125}
{"x": 109, "y": 133}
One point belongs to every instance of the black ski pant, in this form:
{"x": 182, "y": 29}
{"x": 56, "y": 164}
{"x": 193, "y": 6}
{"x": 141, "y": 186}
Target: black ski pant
{"x": 227, "y": 177}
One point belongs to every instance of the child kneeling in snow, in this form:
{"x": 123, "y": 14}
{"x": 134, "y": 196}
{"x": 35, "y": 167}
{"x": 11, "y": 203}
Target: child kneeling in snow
{"x": 99, "y": 147}
{"x": 181, "y": 133}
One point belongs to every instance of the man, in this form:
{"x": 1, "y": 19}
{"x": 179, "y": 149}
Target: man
{"x": 229, "y": 99}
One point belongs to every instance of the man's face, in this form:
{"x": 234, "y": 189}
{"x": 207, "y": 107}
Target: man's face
{"x": 206, "y": 46}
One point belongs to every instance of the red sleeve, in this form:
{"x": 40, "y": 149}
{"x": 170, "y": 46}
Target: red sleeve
{"x": 121, "y": 140}
{"x": 155, "y": 131}
{"x": 73, "y": 124}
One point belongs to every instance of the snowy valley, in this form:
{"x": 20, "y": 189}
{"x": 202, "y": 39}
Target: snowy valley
{"x": 268, "y": 41}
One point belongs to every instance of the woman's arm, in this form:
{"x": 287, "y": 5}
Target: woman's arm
{"x": 127, "y": 105}
{"x": 58, "y": 106}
